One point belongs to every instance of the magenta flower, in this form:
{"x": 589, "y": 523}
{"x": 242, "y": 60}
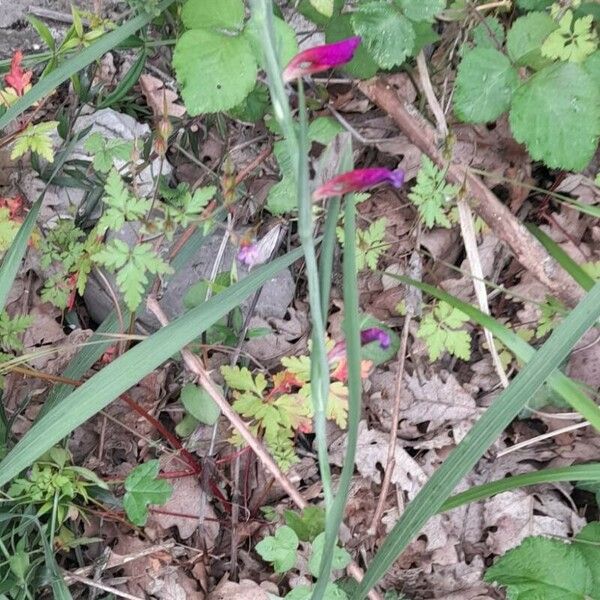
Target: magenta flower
{"x": 358, "y": 180}
{"x": 375, "y": 334}
{"x": 321, "y": 58}
{"x": 249, "y": 254}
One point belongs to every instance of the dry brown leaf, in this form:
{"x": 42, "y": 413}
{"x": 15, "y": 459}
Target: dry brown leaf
{"x": 244, "y": 590}
{"x": 156, "y": 93}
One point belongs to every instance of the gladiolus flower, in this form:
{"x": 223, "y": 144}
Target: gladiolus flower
{"x": 321, "y": 58}
{"x": 375, "y": 334}
{"x": 248, "y": 254}
{"x": 357, "y": 181}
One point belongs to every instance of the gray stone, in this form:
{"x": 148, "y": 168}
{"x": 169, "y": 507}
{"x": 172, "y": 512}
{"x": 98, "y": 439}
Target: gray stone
{"x": 276, "y": 295}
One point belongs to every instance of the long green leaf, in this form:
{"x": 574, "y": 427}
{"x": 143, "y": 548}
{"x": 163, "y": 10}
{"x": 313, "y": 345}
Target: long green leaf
{"x": 351, "y": 326}
{"x": 126, "y": 371}
{"x": 491, "y": 424}
{"x": 562, "y": 258}
{"x": 589, "y": 472}
{"x": 569, "y": 390}
{"x": 81, "y": 60}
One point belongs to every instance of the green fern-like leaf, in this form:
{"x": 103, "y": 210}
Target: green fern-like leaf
{"x": 432, "y": 195}
{"x": 132, "y": 266}
{"x": 573, "y": 41}
{"x": 442, "y": 331}
{"x": 12, "y": 329}
{"x": 37, "y": 139}
{"x": 106, "y": 151}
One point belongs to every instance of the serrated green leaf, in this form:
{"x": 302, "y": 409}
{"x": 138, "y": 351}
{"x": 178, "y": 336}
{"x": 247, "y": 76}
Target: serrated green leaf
{"x": 8, "y": 229}
{"x": 592, "y": 68}
{"x": 254, "y": 107}
{"x": 199, "y": 404}
{"x": 142, "y": 487}
{"x": 240, "y": 378}
{"x": 215, "y": 71}
{"x": 534, "y": 4}
{"x": 488, "y": 34}
{"x": 387, "y": 33}
{"x": 105, "y": 151}
{"x": 341, "y": 558}
{"x": 36, "y": 138}
{"x": 587, "y": 541}
{"x": 485, "y": 83}
{"x": 543, "y": 568}
{"x": 281, "y": 198}
{"x": 556, "y": 114}
{"x": 303, "y": 592}
{"x": 208, "y": 14}
{"x": 424, "y": 10}
{"x": 441, "y": 331}
{"x": 308, "y": 524}
{"x": 306, "y": 9}
{"x": 525, "y": 38}
{"x": 572, "y": 41}
{"x": 298, "y": 365}
{"x": 362, "y": 65}
{"x": 280, "y": 550}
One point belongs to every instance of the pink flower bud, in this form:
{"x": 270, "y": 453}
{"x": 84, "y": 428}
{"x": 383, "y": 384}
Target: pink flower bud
{"x": 375, "y": 334}
{"x": 321, "y": 58}
{"x": 248, "y": 254}
{"x": 357, "y": 181}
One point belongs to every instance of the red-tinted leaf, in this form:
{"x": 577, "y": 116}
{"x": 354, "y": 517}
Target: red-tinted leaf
{"x": 16, "y": 78}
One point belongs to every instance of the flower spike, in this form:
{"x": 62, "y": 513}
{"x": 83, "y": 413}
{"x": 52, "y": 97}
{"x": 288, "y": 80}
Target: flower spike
{"x": 357, "y": 181}
{"x": 321, "y": 58}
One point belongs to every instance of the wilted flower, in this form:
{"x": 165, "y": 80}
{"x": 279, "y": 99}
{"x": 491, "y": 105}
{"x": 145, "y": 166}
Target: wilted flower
{"x": 358, "y": 180}
{"x": 248, "y": 253}
{"x": 321, "y": 58}
{"x": 376, "y": 334}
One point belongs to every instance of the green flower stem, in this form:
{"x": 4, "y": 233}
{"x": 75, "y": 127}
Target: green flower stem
{"x": 298, "y": 151}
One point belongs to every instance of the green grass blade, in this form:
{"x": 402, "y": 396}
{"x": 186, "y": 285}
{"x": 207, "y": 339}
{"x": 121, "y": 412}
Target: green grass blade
{"x": 589, "y": 472}
{"x": 491, "y": 424}
{"x": 562, "y": 258}
{"x": 569, "y": 390}
{"x": 81, "y": 60}
{"x": 126, "y": 371}
{"x": 351, "y": 328}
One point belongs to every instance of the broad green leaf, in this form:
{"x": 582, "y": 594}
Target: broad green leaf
{"x": 325, "y": 7}
{"x": 592, "y": 68}
{"x": 544, "y": 568}
{"x": 142, "y": 487}
{"x": 208, "y": 14}
{"x": 281, "y": 549}
{"x": 556, "y": 114}
{"x": 525, "y": 38}
{"x": 425, "y": 35}
{"x": 105, "y": 151}
{"x": 282, "y": 197}
{"x": 199, "y": 404}
{"x": 307, "y": 525}
{"x": 331, "y": 592}
{"x": 323, "y": 130}
{"x": 481, "y": 436}
{"x": 306, "y": 8}
{"x": 254, "y": 107}
{"x": 340, "y": 559}
{"x": 362, "y": 65}
{"x": 285, "y": 38}
{"x": 215, "y": 71}
{"x": 572, "y": 41}
{"x": 587, "y": 541}
{"x": 484, "y": 85}
{"x": 534, "y": 4}
{"x": 489, "y": 33}
{"x": 423, "y": 10}
{"x": 387, "y": 33}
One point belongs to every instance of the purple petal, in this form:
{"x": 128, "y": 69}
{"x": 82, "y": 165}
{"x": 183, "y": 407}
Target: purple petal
{"x": 248, "y": 254}
{"x": 376, "y": 334}
{"x": 358, "y": 180}
{"x": 321, "y": 58}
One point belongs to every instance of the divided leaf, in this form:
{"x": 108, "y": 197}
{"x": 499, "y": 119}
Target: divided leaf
{"x": 556, "y": 114}
{"x": 281, "y": 549}
{"x": 572, "y": 41}
{"x": 388, "y": 34}
{"x": 105, "y": 151}
{"x": 340, "y": 560}
{"x": 143, "y": 488}
{"x": 485, "y": 83}
{"x": 37, "y": 139}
